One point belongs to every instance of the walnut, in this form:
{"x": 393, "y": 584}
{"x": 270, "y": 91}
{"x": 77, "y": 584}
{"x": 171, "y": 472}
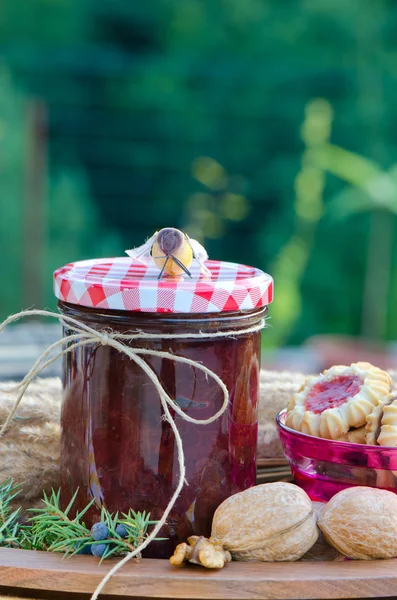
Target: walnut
{"x": 182, "y": 553}
{"x": 268, "y": 522}
{"x": 361, "y": 522}
{"x": 208, "y": 553}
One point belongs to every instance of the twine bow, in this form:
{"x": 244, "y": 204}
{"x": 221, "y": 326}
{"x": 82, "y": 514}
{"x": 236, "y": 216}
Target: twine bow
{"x": 82, "y": 335}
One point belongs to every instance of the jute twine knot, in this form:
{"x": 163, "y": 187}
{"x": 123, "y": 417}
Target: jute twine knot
{"x": 79, "y": 334}
{"x": 105, "y": 339}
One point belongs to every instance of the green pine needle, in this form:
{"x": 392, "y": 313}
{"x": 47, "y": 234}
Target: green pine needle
{"x": 52, "y": 529}
{"x": 9, "y": 524}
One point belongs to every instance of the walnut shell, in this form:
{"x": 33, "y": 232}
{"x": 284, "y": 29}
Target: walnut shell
{"x": 361, "y": 522}
{"x": 268, "y": 522}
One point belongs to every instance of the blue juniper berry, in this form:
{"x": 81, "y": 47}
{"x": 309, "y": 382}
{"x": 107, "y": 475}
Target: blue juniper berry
{"x": 99, "y": 531}
{"x": 84, "y": 549}
{"x": 121, "y": 530}
{"x": 98, "y": 549}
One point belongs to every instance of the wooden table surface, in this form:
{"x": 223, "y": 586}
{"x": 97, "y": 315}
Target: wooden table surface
{"x": 42, "y": 575}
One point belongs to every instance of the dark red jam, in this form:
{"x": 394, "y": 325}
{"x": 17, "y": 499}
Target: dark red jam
{"x": 117, "y": 449}
{"x": 330, "y": 394}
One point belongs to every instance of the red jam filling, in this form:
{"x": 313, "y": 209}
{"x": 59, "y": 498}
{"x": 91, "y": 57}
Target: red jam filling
{"x": 330, "y": 394}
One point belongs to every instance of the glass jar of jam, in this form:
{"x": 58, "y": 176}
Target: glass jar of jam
{"x": 115, "y": 446}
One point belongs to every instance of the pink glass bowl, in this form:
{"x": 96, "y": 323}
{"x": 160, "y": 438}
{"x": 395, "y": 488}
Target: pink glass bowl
{"x": 324, "y": 467}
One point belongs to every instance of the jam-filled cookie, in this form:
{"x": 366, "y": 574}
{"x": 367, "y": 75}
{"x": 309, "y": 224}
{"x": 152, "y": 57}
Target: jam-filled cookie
{"x": 355, "y": 436}
{"x": 339, "y": 399}
{"x": 382, "y": 423}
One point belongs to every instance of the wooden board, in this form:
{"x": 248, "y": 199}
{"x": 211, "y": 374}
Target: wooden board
{"x": 266, "y": 463}
{"x": 274, "y": 475}
{"x": 273, "y": 469}
{"x": 42, "y": 575}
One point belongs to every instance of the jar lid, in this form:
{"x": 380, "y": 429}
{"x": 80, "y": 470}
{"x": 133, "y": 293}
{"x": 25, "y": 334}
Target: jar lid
{"x": 126, "y": 284}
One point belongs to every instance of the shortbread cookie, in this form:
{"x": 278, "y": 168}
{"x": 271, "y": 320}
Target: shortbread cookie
{"x": 355, "y": 436}
{"x": 339, "y": 399}
{"x": 382, "y": 423}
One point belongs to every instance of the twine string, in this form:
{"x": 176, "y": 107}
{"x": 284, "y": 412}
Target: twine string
{"x": 81, "y": 334}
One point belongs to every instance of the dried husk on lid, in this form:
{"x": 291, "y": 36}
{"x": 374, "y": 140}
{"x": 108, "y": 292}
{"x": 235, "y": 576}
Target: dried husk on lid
{"x": 268, "y": 522}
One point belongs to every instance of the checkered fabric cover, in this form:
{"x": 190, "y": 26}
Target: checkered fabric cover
{"x": 124, "y": 284}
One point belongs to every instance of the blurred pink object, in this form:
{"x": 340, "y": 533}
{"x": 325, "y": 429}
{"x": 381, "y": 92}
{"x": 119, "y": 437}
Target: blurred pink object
{"x": 343, "y": 350}
{"x": 324, "y": 467}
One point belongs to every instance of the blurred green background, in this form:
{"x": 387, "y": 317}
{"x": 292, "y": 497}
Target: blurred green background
{"x": 265, "y": 129}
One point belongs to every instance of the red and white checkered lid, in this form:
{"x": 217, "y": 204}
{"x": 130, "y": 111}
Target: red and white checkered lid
{"x": 125, "y": 284}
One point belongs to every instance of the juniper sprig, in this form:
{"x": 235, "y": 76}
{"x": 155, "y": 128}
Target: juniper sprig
{"x": 55, "y": 530}
{"x": 9, "y": 523}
